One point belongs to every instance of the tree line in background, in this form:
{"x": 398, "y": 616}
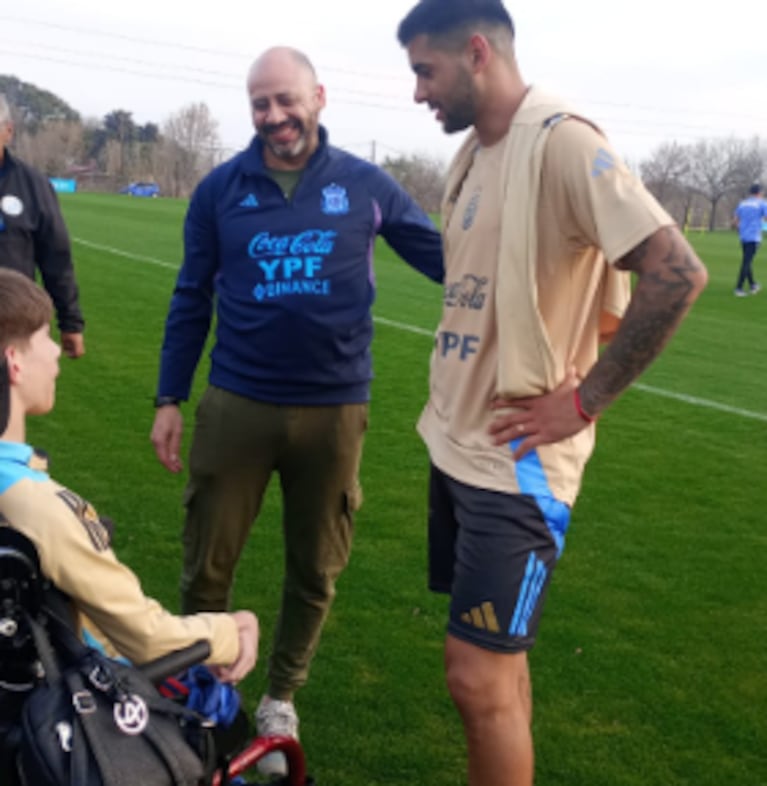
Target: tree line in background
{"x": 108, "y": 153}
{"x": 698, "y": 183}
{"x": 701, "y": 183}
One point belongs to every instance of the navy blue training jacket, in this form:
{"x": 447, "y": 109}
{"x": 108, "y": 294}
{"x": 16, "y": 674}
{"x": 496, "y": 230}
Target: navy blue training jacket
{"x": 292, "y": 279}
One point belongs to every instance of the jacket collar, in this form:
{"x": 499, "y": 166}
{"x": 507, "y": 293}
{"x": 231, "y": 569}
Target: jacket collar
{"x": 26, "y": 455}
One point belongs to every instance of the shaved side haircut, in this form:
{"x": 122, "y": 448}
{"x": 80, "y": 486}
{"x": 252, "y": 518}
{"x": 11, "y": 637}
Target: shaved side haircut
{"x": 448, "y": 20}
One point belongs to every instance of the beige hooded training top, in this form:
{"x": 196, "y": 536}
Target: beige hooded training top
{"x": 531, "y": 228}
{"x": 73, "y": 544}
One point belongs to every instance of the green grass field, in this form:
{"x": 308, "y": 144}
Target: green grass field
{"x": 650, "y": 667}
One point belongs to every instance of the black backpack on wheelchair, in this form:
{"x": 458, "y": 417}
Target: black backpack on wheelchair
{"x": 69, "y": 716}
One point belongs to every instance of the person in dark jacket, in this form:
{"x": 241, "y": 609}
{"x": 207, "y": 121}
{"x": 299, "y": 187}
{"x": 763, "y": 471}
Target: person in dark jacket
{"x": 33, "y": 236}
{"x": 281, "y": 239}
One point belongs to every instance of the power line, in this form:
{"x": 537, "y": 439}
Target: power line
{"x": 205, "y": 77}
{"x": 351, "y": 72}
{"x": 154, "y": 64}
{"x": 204, "y": 82}
{"x": 176, "y": 45}
{"x": 109, "y": 57}
{"x": 677, "y": 129}
{"x": 612, "y": 126}
{"x": 114, "y": 69}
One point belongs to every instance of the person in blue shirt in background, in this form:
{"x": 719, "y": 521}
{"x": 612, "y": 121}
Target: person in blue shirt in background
{"x": 281, "y": 239}
{"x": 748, "y": 218}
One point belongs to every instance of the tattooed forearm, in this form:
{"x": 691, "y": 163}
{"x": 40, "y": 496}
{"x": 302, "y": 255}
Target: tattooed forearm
{"x": 670, "y": 277}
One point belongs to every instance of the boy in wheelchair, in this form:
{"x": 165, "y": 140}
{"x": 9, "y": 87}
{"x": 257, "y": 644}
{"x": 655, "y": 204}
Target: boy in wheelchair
{"x": 71, "y": 541}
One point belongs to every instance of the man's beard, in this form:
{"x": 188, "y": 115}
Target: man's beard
{"x": 461, "y": 112}
{"x": 457, "y": 120}
{"x": 287, "y": 151}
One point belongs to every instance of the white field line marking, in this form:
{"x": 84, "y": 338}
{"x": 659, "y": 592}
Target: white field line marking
{"x": 683, "y": 397}
{"x": 125, "y": 254}
{"x": 701, "y": 402}
{"x": 404, "y": 326}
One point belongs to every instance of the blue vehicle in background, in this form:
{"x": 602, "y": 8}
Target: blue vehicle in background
{"x": 142, "y": 189}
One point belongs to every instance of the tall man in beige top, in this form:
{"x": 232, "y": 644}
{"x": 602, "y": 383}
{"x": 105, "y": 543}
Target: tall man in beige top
{"x": 541, "y": 222}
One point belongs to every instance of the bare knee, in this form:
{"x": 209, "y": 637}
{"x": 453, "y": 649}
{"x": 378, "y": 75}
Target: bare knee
{"x": 486, "y": 685}
{"x": 471, "y": 687}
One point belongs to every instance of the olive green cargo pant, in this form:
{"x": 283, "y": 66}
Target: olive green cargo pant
{"x": 237, "y": 444}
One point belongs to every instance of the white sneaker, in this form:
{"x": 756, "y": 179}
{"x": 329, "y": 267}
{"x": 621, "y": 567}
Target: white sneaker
{"x": 755, "y": 288}
{"x": 740, "y": 293}
{"x": 275, "y": 717}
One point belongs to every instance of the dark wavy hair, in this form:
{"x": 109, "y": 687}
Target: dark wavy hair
{"x": 441, "y": 17}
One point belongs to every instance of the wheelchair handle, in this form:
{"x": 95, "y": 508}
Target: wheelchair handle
{"x": 263, "y": 745}
{"x": 175, "y": 662}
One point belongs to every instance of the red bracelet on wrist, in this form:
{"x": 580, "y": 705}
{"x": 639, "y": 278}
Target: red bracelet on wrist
{"x": 579, "y": 407}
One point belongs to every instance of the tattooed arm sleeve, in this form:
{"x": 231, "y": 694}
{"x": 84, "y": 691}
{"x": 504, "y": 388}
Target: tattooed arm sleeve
{"x": 669, "y": 279}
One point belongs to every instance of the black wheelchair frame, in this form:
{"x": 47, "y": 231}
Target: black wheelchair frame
{"x": 22, "y": 593}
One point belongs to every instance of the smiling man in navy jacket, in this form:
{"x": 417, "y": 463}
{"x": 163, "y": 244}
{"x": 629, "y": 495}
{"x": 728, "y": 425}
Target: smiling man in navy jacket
{"x": 280, "y": 238}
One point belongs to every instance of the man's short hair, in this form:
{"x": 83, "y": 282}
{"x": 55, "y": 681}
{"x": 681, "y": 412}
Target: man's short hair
{"x": 756, "y": 188}
{"x": 440, "y": 17}
{"x": 24, "y": 307}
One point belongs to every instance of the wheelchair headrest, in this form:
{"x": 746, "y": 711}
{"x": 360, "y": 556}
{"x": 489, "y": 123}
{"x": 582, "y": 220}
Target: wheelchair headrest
{"x": 21, "y": 585}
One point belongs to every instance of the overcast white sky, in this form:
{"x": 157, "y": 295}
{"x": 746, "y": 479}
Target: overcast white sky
{"x": 647, "y": 72}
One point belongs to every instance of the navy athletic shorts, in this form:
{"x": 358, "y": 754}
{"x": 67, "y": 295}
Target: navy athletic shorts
{"x": 494, "y": 553}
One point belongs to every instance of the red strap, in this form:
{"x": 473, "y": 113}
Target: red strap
{"x": 579, "y": 407}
